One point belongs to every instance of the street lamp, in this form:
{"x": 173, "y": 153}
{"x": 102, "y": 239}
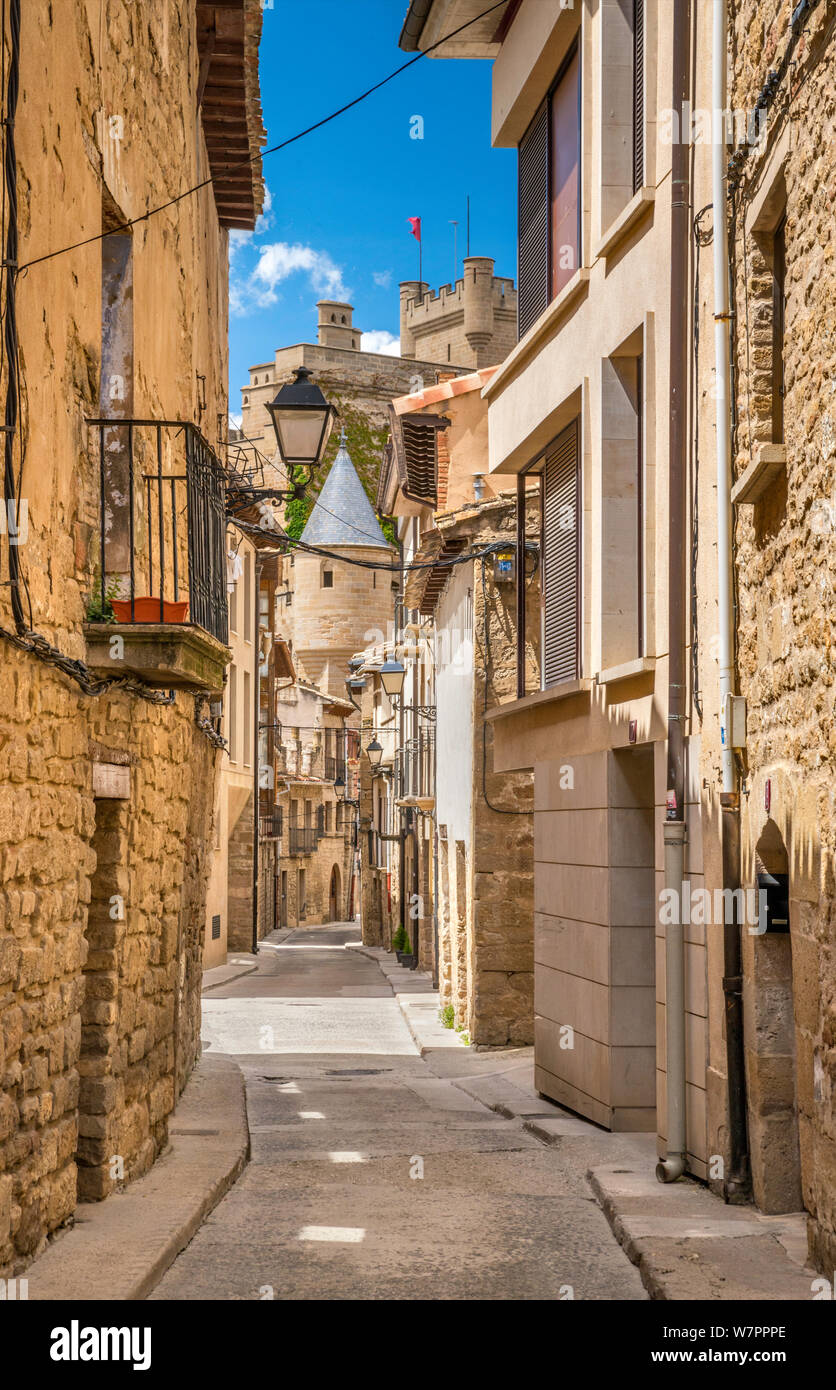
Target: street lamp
{"x": 375, "y": 752}
{"x": 302, "y": 419}
{"x": 392, "y": 674}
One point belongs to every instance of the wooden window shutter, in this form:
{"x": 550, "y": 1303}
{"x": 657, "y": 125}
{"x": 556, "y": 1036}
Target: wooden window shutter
{"x": 533, "y": 222}
{"x": 638, "y": 94}
{"x": 561, "y": 559}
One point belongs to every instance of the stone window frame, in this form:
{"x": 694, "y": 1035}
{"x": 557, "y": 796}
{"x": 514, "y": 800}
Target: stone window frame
{"x": 615, "y": 153}
{"x": 617, "y": 380}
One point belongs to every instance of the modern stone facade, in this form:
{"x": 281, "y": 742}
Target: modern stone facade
{"x": 105, "y": 799}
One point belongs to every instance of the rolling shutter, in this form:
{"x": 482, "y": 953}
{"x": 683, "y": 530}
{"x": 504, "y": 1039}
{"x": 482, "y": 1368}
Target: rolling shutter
{"x": 533, "y": 222}
{"x": 638, "y": 94}
{"x": 561, "y": 559}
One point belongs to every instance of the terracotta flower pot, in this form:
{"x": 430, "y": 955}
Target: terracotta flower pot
{"x": 147, "y": 610}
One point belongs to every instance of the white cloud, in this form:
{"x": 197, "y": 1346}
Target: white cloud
{"x": 276, "y": 263}
{"x": 279, "y": 260}
{"x": 380, "y": 340}
{"x": 382, "y": 278}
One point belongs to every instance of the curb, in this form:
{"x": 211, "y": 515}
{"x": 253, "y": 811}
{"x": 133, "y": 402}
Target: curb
{"x": 688, "y": 1245}
{"x": 431, "y": 1035}
{"x": 233, "y": 973}
{"x": 651, "y": 1279}
{"x": 120, "y": 1248}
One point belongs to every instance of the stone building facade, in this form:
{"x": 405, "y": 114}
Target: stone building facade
{"x": 784, "y": 444}
{"x": 106, "y": 798}
{"x": 335, "y": 593}
{"x": 454, "y": 836}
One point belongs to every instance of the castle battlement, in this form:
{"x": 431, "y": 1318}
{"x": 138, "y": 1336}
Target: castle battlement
{"x": 473, "y": 321}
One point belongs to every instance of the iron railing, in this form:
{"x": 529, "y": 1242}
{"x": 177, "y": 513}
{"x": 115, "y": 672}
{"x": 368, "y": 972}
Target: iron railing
{"x": 162, "y": 523}
{"x": 302, "y": 839}
{"x": 270, "y": 824}
{"x": 415, "y": 765}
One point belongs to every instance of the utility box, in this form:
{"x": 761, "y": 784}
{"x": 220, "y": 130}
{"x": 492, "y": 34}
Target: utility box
{"x": 773, "y": 903}
{"x": 734, "y": 722}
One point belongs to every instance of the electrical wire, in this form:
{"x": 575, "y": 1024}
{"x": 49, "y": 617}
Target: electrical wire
{"x": 317, "y": 501}
{"x": 273, "y": 149}
{"x": 10, "y": 320}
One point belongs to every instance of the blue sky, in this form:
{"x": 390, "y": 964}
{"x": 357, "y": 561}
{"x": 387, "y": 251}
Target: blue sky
{"x": 339, "y": 199}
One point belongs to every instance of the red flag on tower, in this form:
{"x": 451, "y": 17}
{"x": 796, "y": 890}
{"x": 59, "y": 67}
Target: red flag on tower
{"x": 415, "y": 224}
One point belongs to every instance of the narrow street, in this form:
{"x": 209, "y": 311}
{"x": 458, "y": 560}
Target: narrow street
{"x": 343, "y": 1111}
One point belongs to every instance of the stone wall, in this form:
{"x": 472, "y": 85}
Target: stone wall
{"x": 333, "y": 850}
{"x": 786, "y": 572}
{"x": 99, "y": 1013}
{"x": 486, "y": 885}
{"x": 473, "y": 321}
{"x": 240, "y": 882}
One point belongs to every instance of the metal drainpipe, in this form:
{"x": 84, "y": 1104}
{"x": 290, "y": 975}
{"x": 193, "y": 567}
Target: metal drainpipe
{"x": 736, "y": 1182}
{"x": 672, "y": 1167}
{"x": 256, "y": 717}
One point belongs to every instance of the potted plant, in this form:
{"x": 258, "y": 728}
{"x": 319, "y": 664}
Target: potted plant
{"x": 100, "y": 609}
{"x": 146, "y": 609}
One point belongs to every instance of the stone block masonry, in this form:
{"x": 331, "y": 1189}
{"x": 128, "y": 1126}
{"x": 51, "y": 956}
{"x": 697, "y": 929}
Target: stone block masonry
{"x": 787, "y": 585}
{"x": 102, "y": 899}
{"x": 100, "y": 942}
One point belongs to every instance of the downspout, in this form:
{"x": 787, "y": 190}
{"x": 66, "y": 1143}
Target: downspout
{"x": 736, "y": 1181}
{"x": 256, "y": 717}
{"x": 673, "y": 1166}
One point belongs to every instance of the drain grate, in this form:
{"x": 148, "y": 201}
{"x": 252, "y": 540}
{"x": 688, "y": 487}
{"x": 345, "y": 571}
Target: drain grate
{"x": 359, "y": 1071}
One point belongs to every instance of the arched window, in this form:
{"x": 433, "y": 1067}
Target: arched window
{"x": 333, "y": 318}
{"x": 342, "y": 318}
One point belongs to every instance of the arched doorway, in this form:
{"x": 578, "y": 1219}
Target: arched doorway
{"x": 334, "y": 895}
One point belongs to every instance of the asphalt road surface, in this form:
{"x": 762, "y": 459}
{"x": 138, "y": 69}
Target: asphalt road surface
{"x": 372, "y": 1176}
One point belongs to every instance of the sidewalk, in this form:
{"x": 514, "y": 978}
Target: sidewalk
{"x": 686, "y": 1242}
{"x": 120, "y": 1248}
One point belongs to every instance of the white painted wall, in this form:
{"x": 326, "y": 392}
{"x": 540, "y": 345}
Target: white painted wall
{"x": 454, "y": 695}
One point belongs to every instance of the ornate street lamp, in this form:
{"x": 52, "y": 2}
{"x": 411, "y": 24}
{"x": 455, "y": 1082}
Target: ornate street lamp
{"x": 392, "y": 674}
{"x": 375, "y": 752}
{"x": 302, "y": 419}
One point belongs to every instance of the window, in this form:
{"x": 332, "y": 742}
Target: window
{"x": 622, "y": 107}
{"x": 247, "y": 579}
{"x": 247, "y": 722}
{"x": 779, "y": 303}
{"x": 638, "y": 94}
{"x": 116, "y": 380}
{"x": 233, "y": 607}
{"x": 622, "y": 507}
{"x": 549, "y": 200}
{"x": 232, "y": 708}
{"x": 561, "y": 551}
{"x": 327, "y": 579}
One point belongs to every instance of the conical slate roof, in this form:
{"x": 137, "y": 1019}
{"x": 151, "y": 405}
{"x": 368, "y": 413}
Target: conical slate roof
{"x": 343, "y": 514}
